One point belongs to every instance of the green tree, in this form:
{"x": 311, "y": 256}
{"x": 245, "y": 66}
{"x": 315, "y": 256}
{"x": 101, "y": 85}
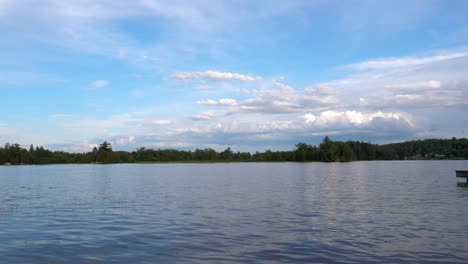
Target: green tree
{"x": 226, "y": 154}
{"x": 328, "y": 150}
{"x": 94, "y": 154}
{"x": 300, "y": 152}
{"x": 105, "y": 153}
{"x": 105, "y": 146}
{"x": 345, "y": 152}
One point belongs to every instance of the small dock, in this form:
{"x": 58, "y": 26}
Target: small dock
{"x": 462, "y": 174}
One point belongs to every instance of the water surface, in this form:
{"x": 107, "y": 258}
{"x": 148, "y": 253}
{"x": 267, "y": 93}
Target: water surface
{"x": 359, "y": 212}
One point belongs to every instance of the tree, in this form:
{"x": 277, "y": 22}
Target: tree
{"x": 328, "y": 150}
{"x": 94, "y": 154}
{"x": 346, "y": 153}
{"x": 105, "y": 153}
{"x": 301, "y": 151}
{"x": 226, "y": 154}
{"x": 105, "y": 146}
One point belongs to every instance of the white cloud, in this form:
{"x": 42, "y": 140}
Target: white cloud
{"x": 248, "y": 129}
{"x": 418, "y": 83}
{"x": 220, "y": 102}
{"x": 122, "y": 141}
{"x": 310, "y": 118}
{"x": 322, "y": 90}
{"x": 246, "y": 125}
{"x": 207, "y": 102}
{"x": 169, "y": 144}
{"x": 345, "y": 118}
{"x": 434, "y": 99}
{"x": 263, "y": 105}
{"x": 414, "y": 85}
{"x": 205, "y": 116}
{"x": 284, "y": 92}
{"x": 162, "y": 122}
{"x": 281, "y": 85}
{"x": 215, "y": 76}
{"x": 282, "y": 98}
{"x": 321, "y": 96}
{"x": 136, "y": 75}
{"x": 386, "y": 63}
{"x": 227, "y": 101}
{"x": 319, "y": 100}
{"x": 98, "y": 84}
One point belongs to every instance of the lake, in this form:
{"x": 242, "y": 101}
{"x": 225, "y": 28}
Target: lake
{"x": 358, "y": 212}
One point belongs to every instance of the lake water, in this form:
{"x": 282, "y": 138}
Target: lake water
{"x": 359, "y": 212}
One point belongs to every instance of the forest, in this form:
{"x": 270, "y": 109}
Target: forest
{"x": 327, "y": 151}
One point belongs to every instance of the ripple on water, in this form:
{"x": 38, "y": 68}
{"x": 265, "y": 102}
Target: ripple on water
{"x": 360, "y": 212}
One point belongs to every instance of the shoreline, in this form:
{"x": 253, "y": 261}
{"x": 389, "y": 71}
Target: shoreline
{"x": 224, "y": 161}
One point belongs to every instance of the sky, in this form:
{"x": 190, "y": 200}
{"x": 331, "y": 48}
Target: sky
{"x": 251, "y": 75}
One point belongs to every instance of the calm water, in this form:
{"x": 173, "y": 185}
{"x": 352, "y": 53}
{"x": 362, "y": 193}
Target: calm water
{"x": 360, "y": 212}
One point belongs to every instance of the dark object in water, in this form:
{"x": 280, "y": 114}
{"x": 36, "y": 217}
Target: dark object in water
{"x": 462, "y": 174}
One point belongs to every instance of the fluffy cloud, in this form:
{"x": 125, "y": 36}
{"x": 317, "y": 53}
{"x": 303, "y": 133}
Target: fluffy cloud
{"x": 251, "y": 129}
{"x": 162, "y": 122}
{"x": 215, "y": 76}
{"x": 330, "y": 119}
{"x": 280, "y": 98}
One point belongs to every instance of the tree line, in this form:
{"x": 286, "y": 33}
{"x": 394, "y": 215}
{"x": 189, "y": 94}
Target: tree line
{"x": 327, "y": 151}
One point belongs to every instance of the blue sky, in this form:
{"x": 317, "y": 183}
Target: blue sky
{"x": 252, "y": 75}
